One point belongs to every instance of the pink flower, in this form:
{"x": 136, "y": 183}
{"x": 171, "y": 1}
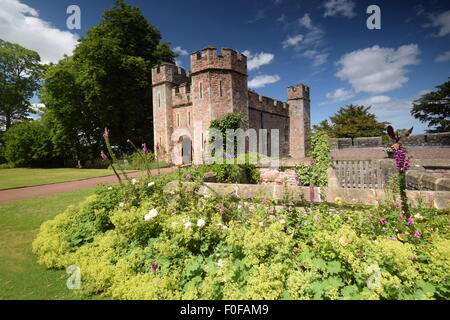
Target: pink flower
{"x": 187, "y": 176}
{"x": 264, "y": 201}
{"x": 400, "y": 217}
{"x": 144, "y": 149}
{"x": 400, "y": 159}
{"x": 222, "y": 210}
{"x": 410, "y": 220}
{"x": 394, "y": 238}
{"x": 417, "y": 235}
{"x": 383, "y": 221}
{"x": 154, "y": 267}
{"x": 106, "y": 133}
{"x": 157, "y": 147}
{"x": 103, "y": 155}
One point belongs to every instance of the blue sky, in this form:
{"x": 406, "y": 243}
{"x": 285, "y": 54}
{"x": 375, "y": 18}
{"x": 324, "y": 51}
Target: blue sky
{"x": 324, "y": 44}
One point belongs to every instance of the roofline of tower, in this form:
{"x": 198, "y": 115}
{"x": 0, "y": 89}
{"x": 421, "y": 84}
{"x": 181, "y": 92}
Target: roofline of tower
{"x": 216, "y": 48}
{"x": 218, "y": 69}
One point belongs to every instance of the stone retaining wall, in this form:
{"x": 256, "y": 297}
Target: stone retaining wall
{"x": 417, "y": 140}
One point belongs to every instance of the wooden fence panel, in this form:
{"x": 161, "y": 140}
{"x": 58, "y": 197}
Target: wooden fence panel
{"x": 364, "y": 174}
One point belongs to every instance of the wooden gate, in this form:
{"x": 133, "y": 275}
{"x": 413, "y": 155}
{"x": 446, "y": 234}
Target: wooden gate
{"x": 364, "y": 174}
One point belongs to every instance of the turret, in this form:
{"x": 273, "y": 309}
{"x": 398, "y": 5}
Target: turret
{"x": 167, "y": 72}
{"x": 299, "y": 120}
{"x": 209, "y": 59}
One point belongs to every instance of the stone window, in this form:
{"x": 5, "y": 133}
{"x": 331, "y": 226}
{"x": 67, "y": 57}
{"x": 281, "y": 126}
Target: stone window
{"x": 159, "y": 99}
{"x": 189, "y": 119}
{"x": 201, "y": 90}
{"x": 178, "y": 119}
{"x": 220, "y": 88}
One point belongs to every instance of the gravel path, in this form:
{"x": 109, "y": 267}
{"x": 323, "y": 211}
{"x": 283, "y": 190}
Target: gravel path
{"x": 61, "y": 187}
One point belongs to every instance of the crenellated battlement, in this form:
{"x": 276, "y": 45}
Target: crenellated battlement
{"x": 300, "y": 91}
{"x": 267, "y": 104}
{"x": 208, "y": 58}
{"x": 167, "y": 72}
{"x": 187, "y": 102}
{"x": 181, "y": 95}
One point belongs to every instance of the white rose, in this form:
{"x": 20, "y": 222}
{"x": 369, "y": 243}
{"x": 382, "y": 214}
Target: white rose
{"x": 282, "y": 221}
{"x": 239, "y": 207}
{"x": 109, "y": 188}
{"x": 200, "y": 222}
{"x": 150, "y": 184}
{"x": 133, "y": 181}
{"x": 151, "y": 214}
{"x": 219, "y": 263}
{"x": 121, "y": 204}
{"x": 187, "y": 225}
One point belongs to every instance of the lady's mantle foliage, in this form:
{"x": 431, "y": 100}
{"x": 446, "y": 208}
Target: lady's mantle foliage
{"x": 137, "y": 242}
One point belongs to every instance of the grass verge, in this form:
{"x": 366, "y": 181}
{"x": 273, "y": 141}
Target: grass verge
{"x": 22, "y": 177}
{"x": 20, "y": 276}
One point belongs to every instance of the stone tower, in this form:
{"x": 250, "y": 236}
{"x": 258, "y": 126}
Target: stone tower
{"x": 165, "y": 78}
{"x": 219, "y": 86}
{"x": 299, "y": 120}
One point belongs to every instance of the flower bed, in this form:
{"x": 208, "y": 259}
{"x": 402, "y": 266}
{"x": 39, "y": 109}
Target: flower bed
{"x": 137, "y": 242}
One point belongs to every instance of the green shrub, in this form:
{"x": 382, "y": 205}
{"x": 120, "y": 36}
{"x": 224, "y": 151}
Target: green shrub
{"x": 135, "y": 162}
{"x": 29, "y": 144}
{"x": 316, "y": 173}
{"x": 198, "y": 247}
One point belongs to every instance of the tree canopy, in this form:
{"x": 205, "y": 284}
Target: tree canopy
{"x": 433, "y": 108}
{"x": 352, "y": 121}
{"x": 107, "y": 82}
{"x": 20, "y": 77}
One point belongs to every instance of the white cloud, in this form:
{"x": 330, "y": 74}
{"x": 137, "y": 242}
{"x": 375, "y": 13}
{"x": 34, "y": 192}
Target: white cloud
{"x": 377, "y": 70}
{"x": 441, "y": 21}
{"x": 262, "y": 80}
{"x": 306, "y": 21}
{"x": 261, "y": 14}
{"x": 423, "y": 92}
{"x": 282, "y": 18}
{"x": 308, "y": 45}
{"x": 443, "y": 57}
{"x": 375, "y": 100}
{"x": 396, "y": 111}
{"x": 292, "y": 41}
{"x": 318, "y": 58}
{"x": 258, "y": 60}
{"x": 340, "y": 95}
{"x": 345, "y": 8}
{"x": 180, "y": 51}
{"x": 21, "y": 24}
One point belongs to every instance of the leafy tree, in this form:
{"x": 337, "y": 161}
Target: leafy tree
{"x": 28, "y": 143}
{"x": 230, "y": 121}
{"x": 352, "y": 121}
{"x": 434, "y": 108}
{"x": 107, "y": 82}
{"x": 20, "y": 77}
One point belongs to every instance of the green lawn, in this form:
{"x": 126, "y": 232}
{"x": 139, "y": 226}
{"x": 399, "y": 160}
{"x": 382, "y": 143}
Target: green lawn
{"x": 12, "y": 178}
{"x": 20, "y": 276}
